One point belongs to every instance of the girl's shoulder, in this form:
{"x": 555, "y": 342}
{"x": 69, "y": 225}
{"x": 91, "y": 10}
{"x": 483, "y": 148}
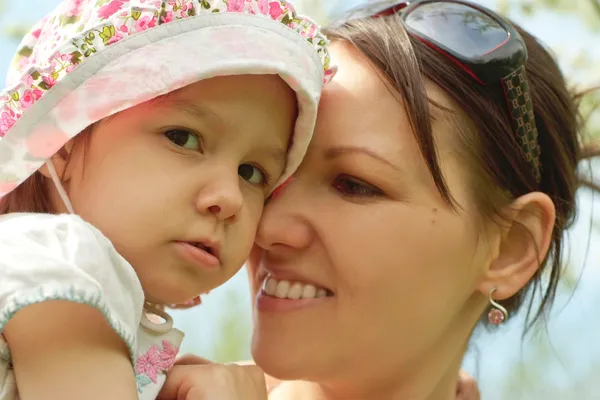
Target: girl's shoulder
{"x": 16, "y": 224}
{"x": 61, "y": 257}
{"x": 63, "y": 237}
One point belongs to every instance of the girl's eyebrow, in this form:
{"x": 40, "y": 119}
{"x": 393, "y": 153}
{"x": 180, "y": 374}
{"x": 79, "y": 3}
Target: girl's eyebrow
{"x": 203, "y": 113}
{"x": 196, "y": 111}
{"x": 278, "y": 153}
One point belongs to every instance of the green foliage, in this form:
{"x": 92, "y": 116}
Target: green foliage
{"x": 584, "y": 66}
{"x": 314, "y": 8}
{"x": 16, "y": 32}
{"x": 13, "y": 31}
{"x": 587, "y": 10}
{"x": 523, "y": 376}
{"x": 233, "y": 331}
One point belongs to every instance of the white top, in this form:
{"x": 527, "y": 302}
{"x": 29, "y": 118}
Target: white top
{"x": 61, "y": 257}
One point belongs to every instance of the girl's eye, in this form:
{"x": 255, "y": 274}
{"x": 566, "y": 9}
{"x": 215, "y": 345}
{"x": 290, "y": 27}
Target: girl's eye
{"x": 253, "y": 174}
{"x": 349, "y": 186}
{"x": 185, "y": 139}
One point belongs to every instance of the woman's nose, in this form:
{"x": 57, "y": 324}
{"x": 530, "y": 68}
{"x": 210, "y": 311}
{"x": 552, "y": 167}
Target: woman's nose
{"x": 283, "y": 224}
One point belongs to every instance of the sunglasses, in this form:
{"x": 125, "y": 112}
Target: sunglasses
{"x": 485, "y": 46}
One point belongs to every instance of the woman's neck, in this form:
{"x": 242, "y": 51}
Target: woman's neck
{"x": 434, "y": 377}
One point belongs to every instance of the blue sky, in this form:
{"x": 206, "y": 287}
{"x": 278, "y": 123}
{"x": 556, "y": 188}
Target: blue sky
{"x": 495, "y": 356}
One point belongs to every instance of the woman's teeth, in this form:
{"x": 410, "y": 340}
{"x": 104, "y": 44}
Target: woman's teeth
{"x": 292, "y": 290}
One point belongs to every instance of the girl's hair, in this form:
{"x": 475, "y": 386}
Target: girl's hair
{"x": 32, "y": 195}
{"x": 499, "y": 170}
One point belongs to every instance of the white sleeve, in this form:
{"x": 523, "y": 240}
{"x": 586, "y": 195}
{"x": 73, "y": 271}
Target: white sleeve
{"x": 61, "y": 257}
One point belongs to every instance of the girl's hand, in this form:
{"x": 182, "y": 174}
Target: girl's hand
{"x": 467, "y": 388}
{"x": 214, "y": 382}
{"x": 190, "y": 359}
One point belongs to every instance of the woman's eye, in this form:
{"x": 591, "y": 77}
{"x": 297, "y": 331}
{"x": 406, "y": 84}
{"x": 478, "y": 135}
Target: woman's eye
{"x": 349, "y": 186}
{"x": 252, "y": 174}
{"x": 185, "y": 139}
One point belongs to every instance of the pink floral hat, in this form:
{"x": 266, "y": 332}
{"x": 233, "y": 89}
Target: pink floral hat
{"x": 90, "y": 59}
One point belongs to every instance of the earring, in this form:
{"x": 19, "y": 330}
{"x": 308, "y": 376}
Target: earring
{"x": 497, "y": 314}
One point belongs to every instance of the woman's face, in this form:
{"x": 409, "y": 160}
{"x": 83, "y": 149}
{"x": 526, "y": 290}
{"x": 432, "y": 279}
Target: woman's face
{"x": 363, "y": 222}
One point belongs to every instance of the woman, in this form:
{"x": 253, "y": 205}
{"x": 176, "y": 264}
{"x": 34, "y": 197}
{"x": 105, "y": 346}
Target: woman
{"x": 441, "y": 179}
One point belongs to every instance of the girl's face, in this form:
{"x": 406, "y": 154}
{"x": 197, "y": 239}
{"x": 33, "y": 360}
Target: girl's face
{"x": 165, "y": 179}
{"x": 363, "y": 222}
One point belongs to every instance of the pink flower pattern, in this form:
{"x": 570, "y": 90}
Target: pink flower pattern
{"x": 7, "y": 120}
{"x": 263, "y": 6}
{"x": 149, "y": 363}
{"x": 111, "y": 8}
{"x": 117, "y": 36}
{"x": 154, "y": 361}
{"x": 49, "y": 80}
{"x": 168, "y": 17}
{"x": 236, "y": 5}
{"x": 37, "y": 93}
{"x": 275, "y": 9}
{"x": 152, "y": 3}
{"x": 168, "y": 355}
{"x": 27, "y": 99}
{"x": 47, "y": 54}
{"x": 75, "y": 9}
{"x": 144, "y": 23}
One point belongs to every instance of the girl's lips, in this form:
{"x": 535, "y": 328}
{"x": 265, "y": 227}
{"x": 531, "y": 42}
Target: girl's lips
{"x": 197, "y": 256}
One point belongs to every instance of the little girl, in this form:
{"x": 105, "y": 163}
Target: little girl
{"x": 139, "y": 140}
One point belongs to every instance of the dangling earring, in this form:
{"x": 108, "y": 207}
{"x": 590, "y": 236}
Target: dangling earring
{"x": 497, "y": 314}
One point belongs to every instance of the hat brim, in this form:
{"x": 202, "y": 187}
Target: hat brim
{"x": 158, "y": 61}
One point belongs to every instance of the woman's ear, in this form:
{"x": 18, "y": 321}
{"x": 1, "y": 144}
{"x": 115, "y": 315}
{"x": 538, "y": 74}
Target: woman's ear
{"x": 524, "y": 244}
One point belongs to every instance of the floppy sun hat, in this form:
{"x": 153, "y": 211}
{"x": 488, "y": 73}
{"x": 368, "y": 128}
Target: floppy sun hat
{"x": 90, "y": 59}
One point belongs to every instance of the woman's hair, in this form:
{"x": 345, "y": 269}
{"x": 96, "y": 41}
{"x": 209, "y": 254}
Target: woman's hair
{"x": 496, "y": 162}
{"x": 32, "y": 195}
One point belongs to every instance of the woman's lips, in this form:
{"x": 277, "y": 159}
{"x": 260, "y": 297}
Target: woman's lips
{"x": 285, "y": 289}
{"x": 286, "y": 295}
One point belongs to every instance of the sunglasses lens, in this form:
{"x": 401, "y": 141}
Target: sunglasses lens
{"x": 458, "y": 27}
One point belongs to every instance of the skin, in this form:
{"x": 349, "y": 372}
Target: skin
{"x": 146, "y": 184}
{"x": 409, "y": 274}
{"x": 214, "y": 186}
{"x": 186, "y": 367}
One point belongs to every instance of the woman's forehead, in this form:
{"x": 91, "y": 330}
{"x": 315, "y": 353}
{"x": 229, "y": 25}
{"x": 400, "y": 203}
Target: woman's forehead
{"x": 360, "y": 91}
{"x": 356, "y": 73}
{"x": 359, "y": 107}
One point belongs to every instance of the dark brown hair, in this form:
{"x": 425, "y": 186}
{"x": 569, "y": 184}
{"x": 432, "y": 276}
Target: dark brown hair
{"x": 496, "y": 162}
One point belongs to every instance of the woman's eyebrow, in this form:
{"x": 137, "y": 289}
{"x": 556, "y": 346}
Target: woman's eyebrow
{"x": 338, "y": 151}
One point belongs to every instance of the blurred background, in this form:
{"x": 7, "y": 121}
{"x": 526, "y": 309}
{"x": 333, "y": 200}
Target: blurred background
{"x": 557, "y": 360}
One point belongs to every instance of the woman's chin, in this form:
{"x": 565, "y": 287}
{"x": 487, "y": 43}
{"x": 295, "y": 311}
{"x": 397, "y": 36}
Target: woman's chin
{"x": 284, "y": 357}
